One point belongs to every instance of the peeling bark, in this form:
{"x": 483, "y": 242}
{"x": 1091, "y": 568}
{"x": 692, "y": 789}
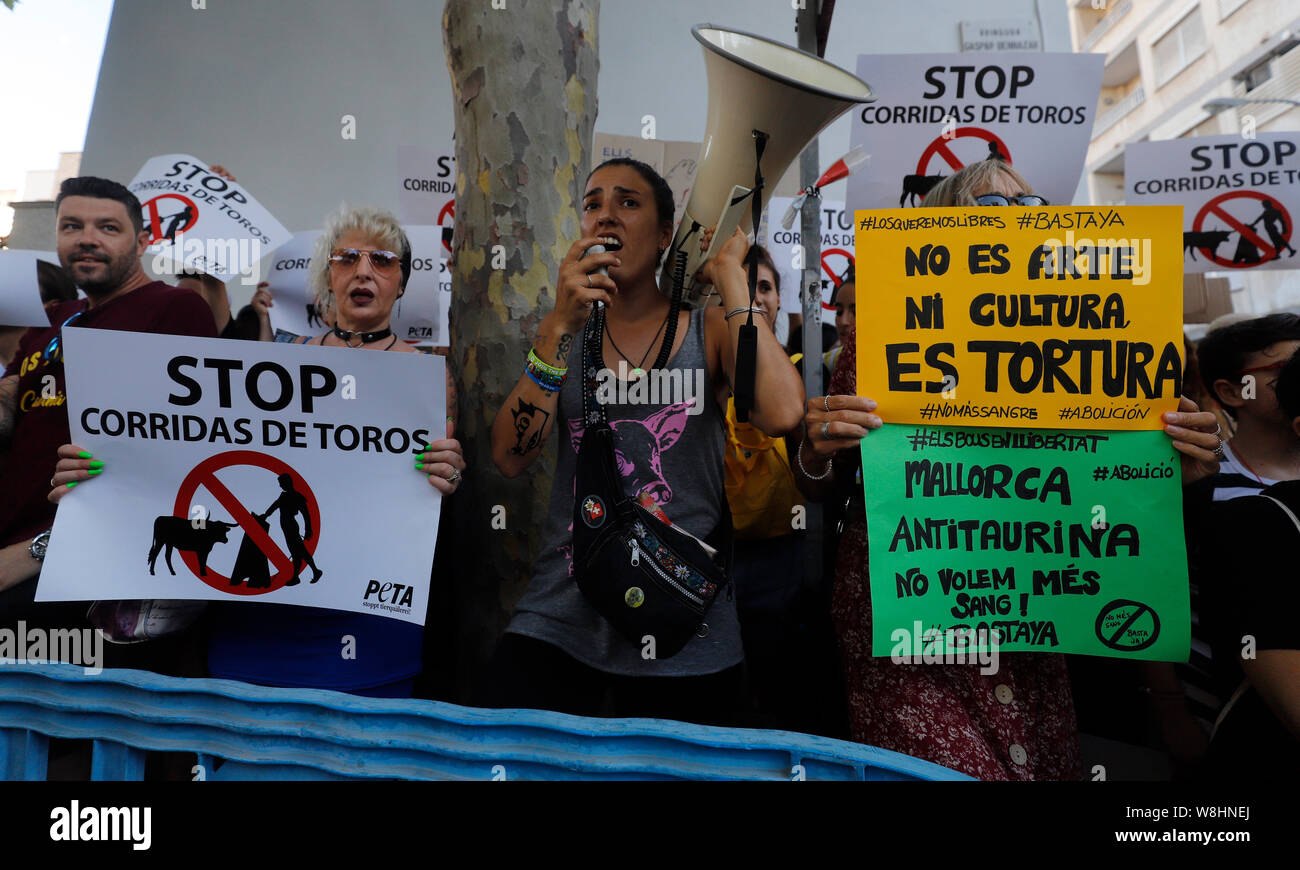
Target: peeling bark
{"x": 524, "y": 80}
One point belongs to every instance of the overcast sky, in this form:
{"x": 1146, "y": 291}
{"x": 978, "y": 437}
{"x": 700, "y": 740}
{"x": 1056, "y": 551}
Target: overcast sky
{"x": 49, "y": 60}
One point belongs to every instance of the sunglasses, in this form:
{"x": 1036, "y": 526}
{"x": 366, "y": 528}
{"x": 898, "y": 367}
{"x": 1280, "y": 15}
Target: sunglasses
{"x": 1271, "y": 367}
{"x": 999, "y": 199}
{"x": 382, "y": 261}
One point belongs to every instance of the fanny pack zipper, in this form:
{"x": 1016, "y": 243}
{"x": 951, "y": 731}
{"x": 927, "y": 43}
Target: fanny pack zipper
{"x": 636, "y": 561}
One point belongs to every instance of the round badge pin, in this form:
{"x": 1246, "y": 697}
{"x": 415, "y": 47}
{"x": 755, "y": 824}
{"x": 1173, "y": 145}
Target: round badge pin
{"x": 593, "y": 511}
{"x": 634, "y": 597}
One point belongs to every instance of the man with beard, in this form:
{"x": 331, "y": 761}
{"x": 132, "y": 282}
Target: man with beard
{"x": 100, "y": 236}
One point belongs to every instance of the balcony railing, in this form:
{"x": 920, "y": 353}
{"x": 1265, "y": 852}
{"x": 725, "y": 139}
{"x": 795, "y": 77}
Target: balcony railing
{"x": 1107, "y": 119}
{"x": 1102, "y": 27}
{"x": 239, "y": 731}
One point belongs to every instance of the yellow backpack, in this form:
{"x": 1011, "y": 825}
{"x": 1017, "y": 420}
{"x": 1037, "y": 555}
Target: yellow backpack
{"x": 760, "y": 485}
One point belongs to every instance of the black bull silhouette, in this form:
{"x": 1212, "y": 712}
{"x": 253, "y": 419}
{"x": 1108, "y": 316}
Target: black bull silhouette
{"x": 1206, "y": 239}
{"x": 181, "y": 534}
{"x": 917, "y": 185}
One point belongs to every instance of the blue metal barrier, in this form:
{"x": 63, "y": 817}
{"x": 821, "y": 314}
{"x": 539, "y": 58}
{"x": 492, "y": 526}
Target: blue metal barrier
{"x": 240, "y": 731}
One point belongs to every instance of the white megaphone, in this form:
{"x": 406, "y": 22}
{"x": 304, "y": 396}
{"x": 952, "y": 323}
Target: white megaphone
{"x": 759, "y": 90}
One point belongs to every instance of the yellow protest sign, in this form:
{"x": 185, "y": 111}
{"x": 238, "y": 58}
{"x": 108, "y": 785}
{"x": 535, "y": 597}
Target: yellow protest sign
{"x": 1042, "y": 317}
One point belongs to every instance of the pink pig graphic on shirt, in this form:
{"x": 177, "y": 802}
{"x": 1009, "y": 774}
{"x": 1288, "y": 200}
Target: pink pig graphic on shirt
{"x": 638, "y": 454}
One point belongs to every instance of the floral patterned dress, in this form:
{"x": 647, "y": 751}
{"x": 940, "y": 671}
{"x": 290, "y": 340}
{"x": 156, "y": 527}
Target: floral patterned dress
{"x": 1017, "y": 724}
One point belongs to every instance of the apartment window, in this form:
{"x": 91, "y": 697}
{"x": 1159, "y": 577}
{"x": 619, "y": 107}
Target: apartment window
{"x": 1257, "y": 75}
{"x": 1227, "y": 7}
{"x": 1181, "y": 44}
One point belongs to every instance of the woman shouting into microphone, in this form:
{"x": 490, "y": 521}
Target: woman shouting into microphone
{"x": 558, "y": 652}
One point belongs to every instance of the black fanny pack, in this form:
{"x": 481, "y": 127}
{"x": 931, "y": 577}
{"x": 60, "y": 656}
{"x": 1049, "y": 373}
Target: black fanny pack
{"x": 652, "y": 581}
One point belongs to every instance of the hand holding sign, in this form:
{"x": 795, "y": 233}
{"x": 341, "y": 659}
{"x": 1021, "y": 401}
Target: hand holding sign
{"x": 1195, "y": 435}
{"x": 838, "y": 423}
{"x": 443, "y": 462}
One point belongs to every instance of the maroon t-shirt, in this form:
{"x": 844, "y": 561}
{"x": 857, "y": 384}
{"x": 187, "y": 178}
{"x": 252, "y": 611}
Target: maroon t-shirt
{"x": 41, "y": 426}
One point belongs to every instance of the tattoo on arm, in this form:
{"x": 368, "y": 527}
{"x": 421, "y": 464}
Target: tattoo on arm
{"x": 562, "y": 349}
{"x": 8, "y": 409}
{"x": 530, "y": 422}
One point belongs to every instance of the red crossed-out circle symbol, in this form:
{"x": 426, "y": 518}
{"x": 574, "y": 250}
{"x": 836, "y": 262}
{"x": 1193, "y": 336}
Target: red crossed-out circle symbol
{"x": 204, "y": 474}
{"x": 155, "y": 221}
{"x": 1215, "y": 207}
{"x": 448, "y": 213}
{"x": 940, "y": 147}
{"x": 834, "y": 274}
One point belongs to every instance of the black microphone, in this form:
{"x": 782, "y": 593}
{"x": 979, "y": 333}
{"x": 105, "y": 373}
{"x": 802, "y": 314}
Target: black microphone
{"x": 597, "y": 249}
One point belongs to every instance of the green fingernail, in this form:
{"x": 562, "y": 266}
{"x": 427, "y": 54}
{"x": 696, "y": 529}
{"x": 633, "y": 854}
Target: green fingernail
{"x": 71, "y": 484}
{"x": 85, "y": 454}
{"x": 419, "y": 465}
{"x": 428, "y": 447}
{"x": 94, "y": 471}
{"x": 97, "y": 463}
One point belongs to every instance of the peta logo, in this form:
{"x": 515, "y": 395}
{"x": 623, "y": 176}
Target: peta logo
{"x": 397, "y": 597}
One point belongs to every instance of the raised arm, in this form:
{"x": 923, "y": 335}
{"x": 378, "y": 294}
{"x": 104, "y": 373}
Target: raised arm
{"x": 523, "y": 424}
{"x": 778, "y": 392}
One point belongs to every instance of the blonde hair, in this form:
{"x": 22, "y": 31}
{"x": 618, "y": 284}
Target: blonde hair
{"x": 376, "y": 223}
{"x": 961, "y": 188}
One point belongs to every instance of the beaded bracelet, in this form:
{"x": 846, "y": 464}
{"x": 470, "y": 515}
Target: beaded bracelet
{"x": 798, "y": 458}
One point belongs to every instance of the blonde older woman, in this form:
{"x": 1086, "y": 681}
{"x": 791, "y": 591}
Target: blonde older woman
{"x": 358, "y": 271}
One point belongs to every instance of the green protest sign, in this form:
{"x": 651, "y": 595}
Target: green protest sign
{"x": 1060, "y": 541}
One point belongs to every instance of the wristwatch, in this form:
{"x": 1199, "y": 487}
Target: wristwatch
{"x": 39, "y": 546}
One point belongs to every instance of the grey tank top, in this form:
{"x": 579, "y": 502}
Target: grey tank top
{"x": 670, "y": 445}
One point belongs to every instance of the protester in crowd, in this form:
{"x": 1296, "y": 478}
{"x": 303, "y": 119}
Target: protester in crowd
{"x": 1252, "y": 594}
{"x": 360, "y": 267}
{"x": 100, "y": 239}
{"x": 56, "y": 285}
{"x": 1238, "y": 365}
{"x": 559, "y": 652}
{"x": 846, "y": 316}
{"x": 1018, "y": 723}
{"x": 778, "y": 614}
{"x": 253, "y": 323}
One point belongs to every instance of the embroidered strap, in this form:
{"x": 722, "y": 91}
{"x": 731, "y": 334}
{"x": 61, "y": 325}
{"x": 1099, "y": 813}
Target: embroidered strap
{"x": 593, "y": 334}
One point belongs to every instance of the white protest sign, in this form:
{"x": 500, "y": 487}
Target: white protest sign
{"x": 419, "y": 316}
{"x": 293, "y": 306}
{"x": 199, "y": 221}
{"x": 233, "y": 468}
{"x": 785, "y": 248}
{"x": 20, "y": 293}
{"x": 426, "y": 191}
{"x": 1240, "y": 197}
{"x": 937, "y": 113}
{"x": 676, "y": 161}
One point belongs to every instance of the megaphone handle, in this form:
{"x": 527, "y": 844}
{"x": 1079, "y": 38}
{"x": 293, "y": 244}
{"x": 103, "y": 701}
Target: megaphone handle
{"x": 747, "y": 343}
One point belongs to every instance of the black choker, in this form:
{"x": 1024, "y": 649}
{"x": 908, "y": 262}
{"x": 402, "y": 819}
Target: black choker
{"x": 366, "y": 337}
